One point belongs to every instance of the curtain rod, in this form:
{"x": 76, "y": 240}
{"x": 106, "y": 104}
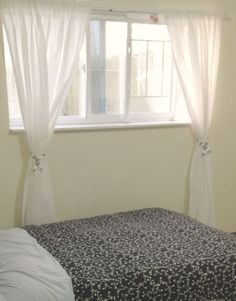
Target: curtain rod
{"x": 150, "y": 11}
{"x": 117, "y": 10}
{"x": 171, "y": 10}
{"x": 221, "y": 14}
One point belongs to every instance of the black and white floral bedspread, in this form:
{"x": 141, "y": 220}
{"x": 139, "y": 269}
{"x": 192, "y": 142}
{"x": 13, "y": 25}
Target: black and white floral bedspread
{"x": 148, "y": 254}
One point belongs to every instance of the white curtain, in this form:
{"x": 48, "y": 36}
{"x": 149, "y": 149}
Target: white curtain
{"x": 195, "y": 39}
{"x": 44, "y": 41}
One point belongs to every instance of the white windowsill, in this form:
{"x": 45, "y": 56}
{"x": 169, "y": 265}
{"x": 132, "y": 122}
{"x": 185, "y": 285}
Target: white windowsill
{"x": 100, "y": 126}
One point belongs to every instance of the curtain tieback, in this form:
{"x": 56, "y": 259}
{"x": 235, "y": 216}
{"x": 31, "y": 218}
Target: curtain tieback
{"x": 204, "y": 144}
{"x": 38, "y": 162}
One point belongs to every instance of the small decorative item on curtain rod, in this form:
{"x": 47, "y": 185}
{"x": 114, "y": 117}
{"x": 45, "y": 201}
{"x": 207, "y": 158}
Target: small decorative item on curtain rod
{"x": 154, "y": 18}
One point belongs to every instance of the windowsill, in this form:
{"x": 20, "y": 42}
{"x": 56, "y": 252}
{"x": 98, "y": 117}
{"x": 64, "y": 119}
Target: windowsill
{"x": 102, "y": 126}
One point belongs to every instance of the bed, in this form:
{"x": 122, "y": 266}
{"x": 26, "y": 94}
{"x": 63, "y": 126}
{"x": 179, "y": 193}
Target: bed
{"x": 28, "y": 272}
{"x": 147, "y": 254}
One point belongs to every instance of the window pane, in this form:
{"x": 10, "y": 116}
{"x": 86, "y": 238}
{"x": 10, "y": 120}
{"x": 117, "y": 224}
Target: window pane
{"x": 138, "y": 68}
{"x": 13, "y": 103}
{"x": 155, "y": 68}
{"x": 108, "y": 66}
{"x": 151, "y": 69}
{"x": 160, "y": 68}
{"x": 150, "y": 104}
{"x": 75, "y": 102}
{"x": 150, "y": 32}
{"x": 167, "y": 80}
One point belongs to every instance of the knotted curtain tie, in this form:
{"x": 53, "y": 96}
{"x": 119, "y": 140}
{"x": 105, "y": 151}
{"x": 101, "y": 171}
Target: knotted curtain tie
{"x": 205, "y": 147}
{"x": 37, "y": 162}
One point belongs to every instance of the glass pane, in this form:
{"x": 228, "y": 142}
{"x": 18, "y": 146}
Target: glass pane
{"x": 167, "y": 75}
{"x": 108, "y": 66}
{"x": 13, "y": 103}
{"x": 138, "y": 68}
{"x": 75, "y": 102}
{"x": 150, "y": 104}
{"x": 76, "y": 97}
{"x": 151, "y": 69}
{"x": 155, "y": 68}
{"x": 150, "y": 32}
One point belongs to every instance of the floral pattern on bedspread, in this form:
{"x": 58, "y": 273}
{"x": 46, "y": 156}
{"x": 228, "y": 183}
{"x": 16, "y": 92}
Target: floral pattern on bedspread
{"x": 147, "y": 254}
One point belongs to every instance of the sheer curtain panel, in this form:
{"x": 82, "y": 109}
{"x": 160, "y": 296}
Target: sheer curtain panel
{"x": 44, "y": 41}
{"x": 195, "y": 39}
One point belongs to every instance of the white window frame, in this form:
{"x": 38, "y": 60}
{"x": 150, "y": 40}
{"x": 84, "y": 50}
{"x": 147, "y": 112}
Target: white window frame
{"x": 100, "y": 121}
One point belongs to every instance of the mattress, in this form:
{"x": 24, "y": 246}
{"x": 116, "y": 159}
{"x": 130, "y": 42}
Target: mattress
{"x": 147, "y": 254}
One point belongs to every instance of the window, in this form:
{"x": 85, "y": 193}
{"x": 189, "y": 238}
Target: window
{"x": 125, "y": 76}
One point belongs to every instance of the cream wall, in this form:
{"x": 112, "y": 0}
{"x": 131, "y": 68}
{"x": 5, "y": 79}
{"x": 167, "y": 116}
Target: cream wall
{"x": 96, "y": 172}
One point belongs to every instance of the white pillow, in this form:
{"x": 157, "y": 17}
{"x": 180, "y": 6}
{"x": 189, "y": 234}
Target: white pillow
{"x": 28, "y": 272}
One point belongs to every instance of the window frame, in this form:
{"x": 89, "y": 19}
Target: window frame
{"x": 88, "y": 120}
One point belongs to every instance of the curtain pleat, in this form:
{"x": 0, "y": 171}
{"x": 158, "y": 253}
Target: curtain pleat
{"x": 195, "y": 42}
{"x": 44, "y": 41}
